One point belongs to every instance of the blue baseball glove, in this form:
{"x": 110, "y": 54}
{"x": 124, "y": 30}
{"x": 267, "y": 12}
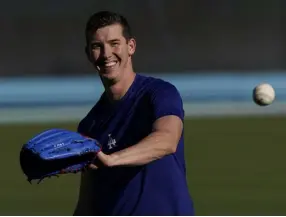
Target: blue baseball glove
{"x": 57, "y": 151}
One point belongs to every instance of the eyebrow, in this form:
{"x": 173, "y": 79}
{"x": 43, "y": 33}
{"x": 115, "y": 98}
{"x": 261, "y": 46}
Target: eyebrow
{"x": 98, "y": 42}
{"x": 95, "y": 43}
{"x": 114, "y": 40}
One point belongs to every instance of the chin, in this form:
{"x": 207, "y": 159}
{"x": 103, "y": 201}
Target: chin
{"x": 113, "y": 75}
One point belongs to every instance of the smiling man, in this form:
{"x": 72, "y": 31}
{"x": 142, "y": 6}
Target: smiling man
{"x": 139, "y": 122}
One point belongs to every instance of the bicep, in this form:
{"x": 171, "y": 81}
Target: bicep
{"x": 171, "y": 126}
{"x": 168, "y": 113}
{"x": 167, "y": 101}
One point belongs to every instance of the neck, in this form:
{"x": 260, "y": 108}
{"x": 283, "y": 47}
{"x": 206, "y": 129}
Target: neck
{"x": 115, "y": 91}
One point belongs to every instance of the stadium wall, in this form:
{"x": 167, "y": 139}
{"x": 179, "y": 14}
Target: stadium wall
{"x": 69, "y": 98}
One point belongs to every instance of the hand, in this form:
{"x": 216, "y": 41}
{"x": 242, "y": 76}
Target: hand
{"x": 102, "y": 160}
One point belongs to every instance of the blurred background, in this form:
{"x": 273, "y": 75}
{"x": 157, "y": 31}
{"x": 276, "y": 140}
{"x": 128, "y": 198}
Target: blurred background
{"x": 214, "y": 52}
{"x": 47, "y": 37}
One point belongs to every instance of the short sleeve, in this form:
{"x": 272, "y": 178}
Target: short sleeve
{"x": 81, "y": 125}
{"x": 166, "y": 100}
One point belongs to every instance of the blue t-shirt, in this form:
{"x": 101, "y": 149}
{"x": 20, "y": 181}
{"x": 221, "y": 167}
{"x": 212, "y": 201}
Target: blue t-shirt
{"x": 158, "y": 188}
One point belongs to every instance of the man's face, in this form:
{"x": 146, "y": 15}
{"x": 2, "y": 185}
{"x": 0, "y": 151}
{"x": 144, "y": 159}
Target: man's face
{"x": 110, "y": 53}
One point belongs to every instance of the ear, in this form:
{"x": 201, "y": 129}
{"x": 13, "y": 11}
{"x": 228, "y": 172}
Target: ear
{"x": 131, "y": 46}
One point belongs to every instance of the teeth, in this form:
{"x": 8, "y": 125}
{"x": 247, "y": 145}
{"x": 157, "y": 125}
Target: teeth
{"x": 110, "y": 64}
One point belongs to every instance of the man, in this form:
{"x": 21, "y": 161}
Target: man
{"x": 139, "y": 122}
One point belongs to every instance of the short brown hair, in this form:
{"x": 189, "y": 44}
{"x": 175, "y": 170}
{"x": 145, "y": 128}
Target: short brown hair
{"x": 106, "y": 18}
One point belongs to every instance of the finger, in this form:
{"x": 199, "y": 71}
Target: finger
{"x": 92, "y": 166}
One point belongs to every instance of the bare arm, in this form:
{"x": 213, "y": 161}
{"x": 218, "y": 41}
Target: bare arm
{"x": 161, "y": 142}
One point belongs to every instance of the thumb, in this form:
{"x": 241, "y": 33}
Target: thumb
{"x": 92, "y": 166}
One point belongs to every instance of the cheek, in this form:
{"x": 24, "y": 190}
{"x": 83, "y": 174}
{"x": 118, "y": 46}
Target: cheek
{"x": 122, "y": 52}
{"x": 117, "y": 51}
{"x": 95, "y": 54}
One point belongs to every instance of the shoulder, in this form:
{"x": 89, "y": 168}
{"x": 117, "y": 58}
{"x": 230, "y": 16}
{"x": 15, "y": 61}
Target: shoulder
{"x": 90, "y": 116}
{"x": 164, "y": 97}
{"x": 157, "y": 87}
{"x": 162, "y": 89}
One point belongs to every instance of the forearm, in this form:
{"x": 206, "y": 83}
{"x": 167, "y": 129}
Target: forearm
{"x": 153, "y": 147}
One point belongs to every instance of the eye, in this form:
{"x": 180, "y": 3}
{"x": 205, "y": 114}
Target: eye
{"x": 114, "y": 44}
{"x": 95, "y": 46}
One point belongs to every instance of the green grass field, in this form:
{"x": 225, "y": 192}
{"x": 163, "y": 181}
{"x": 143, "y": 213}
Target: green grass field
{"x": 236, "y": 166}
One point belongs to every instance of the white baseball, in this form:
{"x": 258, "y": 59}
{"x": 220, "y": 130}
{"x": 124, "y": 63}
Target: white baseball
{"x": 263, "y": 94}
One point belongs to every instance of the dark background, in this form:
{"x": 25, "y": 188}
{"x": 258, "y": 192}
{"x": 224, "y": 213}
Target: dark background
{"x": 47, "y": 37}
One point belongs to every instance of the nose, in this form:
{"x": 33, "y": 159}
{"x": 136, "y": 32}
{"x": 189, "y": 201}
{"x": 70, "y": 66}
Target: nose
{"x": 106, "y": 51}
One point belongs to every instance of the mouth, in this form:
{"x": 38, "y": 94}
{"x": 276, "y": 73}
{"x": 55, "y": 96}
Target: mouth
{"x": 107, "y": 65}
